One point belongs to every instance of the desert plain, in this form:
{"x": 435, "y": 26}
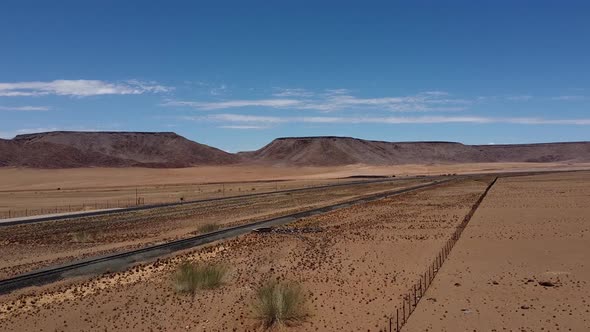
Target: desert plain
{"x": 28, "y": 191}
{"x": 519, "y": 265}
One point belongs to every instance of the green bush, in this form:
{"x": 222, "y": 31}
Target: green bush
{"x": 189, "y": 277}
{"x": 280, "y": 303}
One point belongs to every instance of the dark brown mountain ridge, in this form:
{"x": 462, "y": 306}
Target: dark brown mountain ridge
{"x": 68, "y": 149}
{"x": 332, "y": 151}
{"x": 110, "y": 149}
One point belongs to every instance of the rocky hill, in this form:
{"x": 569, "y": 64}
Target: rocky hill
{"x": 332, "y": 151}
{"x": 63, "y": 149}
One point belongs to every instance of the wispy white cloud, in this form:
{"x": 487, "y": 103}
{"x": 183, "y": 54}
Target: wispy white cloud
{"x": 293, "y": 92}
{"x": 24, "y": 108}
{"x": 218, "y": 90}
{"x": 337, "y": 100}
{"x": 242, "y": 127}
{"x": 272, "y": 103}
{"x": 243, "y": 118}
{"x": 80, "y": 88}
{"x": 520, "y": 98}
{"x": 337, "y": 91}
{"x": 569, "y": 98}
{"x": 253, "y": 120}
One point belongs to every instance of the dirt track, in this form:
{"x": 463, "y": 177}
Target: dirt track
{"x": 528, "y": 231}
{"x": 353, "y": 270}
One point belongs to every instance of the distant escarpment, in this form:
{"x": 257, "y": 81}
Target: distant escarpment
{"x": 63, "y": 149}
{"x": 334, "y": 151}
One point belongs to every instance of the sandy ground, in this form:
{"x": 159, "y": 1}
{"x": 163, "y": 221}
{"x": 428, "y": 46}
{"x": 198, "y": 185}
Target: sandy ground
{"x": 19, "y": 203}
{"x": 26, "y": 247}
{"x": 35, "y": 191}
{"x": 12, "y": 179}
{"x": 528, "y": 230}
{"x": 353, "y": 271}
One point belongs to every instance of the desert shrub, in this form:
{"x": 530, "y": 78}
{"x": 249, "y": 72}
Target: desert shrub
{"x": 280, "y": 303}
{"x": 209, "y": 227}
{"x": 82, "y": 237}
{"x": 190, "y": 277}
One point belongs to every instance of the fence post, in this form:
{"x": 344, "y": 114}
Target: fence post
{"x": 420, "y": 287}
{"x": 404, "y": 310}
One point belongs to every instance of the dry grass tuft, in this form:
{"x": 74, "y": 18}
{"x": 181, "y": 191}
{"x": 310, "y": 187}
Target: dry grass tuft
{"x": 280, "y": 303}
{"x": 82, "y": 237}
{"x": 208, "y": 228}
{"x": 189, "y": 277}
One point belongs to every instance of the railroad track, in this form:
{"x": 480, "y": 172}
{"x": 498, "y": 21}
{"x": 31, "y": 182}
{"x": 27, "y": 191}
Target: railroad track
{"x": 188, "y": 203}
{"x": 121, "y": 261}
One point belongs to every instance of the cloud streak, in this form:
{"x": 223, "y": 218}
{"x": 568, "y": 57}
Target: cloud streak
{"x": 569, "y": 98}
{"x": 336, "y": 100}
{"x": 25, "y": 108}
{"x": 520, "y": 98}
{"x": 296, "y": 92}
{"x": 271, "y": 103}
{"x": 242, "y": 127}
{"x": 253, "y": 120}
{"x": 79, "y": 88}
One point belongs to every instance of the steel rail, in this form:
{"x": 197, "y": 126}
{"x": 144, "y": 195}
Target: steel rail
{"x": 120, "y": 261}
{"x": 163, "y": 205}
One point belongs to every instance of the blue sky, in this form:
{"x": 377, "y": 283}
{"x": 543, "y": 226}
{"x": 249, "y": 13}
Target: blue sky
{"x": 238, "y": 74}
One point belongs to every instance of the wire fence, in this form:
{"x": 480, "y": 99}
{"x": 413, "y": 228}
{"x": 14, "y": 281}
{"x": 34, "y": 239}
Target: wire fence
{"x": 412, "y": 297}
{"x": 200, "y": 192}
{"x": 87, "y": 206}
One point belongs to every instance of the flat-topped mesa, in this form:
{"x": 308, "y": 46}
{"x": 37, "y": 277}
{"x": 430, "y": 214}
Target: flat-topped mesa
{"x": 41, "y": 135}
{"x": 66, "y": 149}
{"x": 334, "y": 151}
{"x": 116, "y": 149}
{"x": 287, "y": 138}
